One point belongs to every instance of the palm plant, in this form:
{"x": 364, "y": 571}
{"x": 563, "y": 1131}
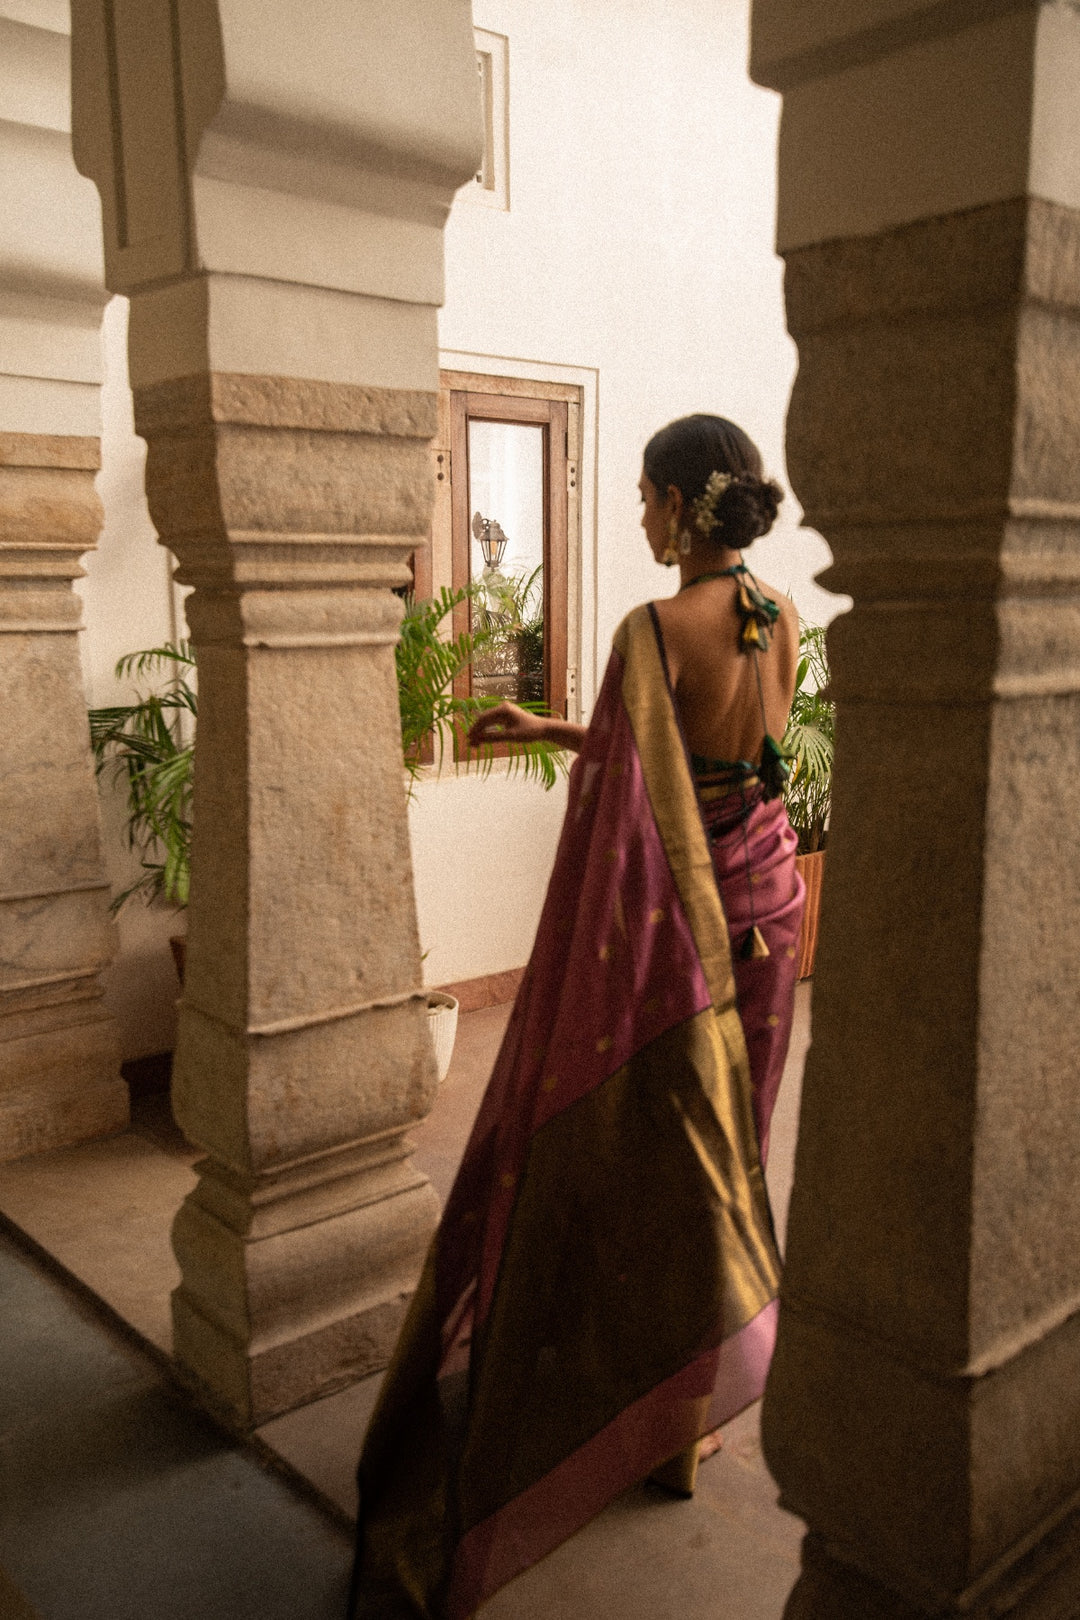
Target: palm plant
{"x": 808, "y": 742}
{"x": 511, "y": 606}
{"x": 149, "y": 744}
{"x": 426, "y": 667}
{"x": 529, "y": 634}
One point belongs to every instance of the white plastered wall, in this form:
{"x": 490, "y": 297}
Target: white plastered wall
{"x": 637, "y": 253}
{"x": 129, "y": 602}
{"x": 637, "y": 259}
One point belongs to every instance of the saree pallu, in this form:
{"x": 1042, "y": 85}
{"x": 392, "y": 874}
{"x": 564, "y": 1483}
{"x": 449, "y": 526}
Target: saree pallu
{"x": 601, "y": 1290}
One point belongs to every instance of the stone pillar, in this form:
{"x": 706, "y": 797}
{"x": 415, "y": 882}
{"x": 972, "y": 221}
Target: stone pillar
{"x": 59, "y": 1058}
{"x": 923, "y": 1413}
{"x": 274, "y": 184}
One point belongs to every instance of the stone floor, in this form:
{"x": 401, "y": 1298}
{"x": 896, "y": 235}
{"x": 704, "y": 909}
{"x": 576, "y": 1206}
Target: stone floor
{"x": 120, "y": 1502}
{"x": 127, "y": 1503}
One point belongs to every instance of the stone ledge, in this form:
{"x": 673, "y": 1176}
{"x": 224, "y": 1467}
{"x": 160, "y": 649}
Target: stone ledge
{"x": 81, "y": 452}
{"x": 284, "y": 402}
{"x": 997, "y": 254}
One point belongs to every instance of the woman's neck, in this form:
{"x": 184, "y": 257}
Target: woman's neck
{"x": 696, "y": 563}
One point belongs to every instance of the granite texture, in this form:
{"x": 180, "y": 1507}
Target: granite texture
{"x": 303, "y": 1052}
{"x": 59, "y": 1056}
{"x": 920, "y": 1414}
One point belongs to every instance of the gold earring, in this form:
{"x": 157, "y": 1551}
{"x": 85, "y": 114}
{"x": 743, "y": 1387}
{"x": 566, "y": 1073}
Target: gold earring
{"x": 670, "y": 555}
{"x": 686, "y": 540}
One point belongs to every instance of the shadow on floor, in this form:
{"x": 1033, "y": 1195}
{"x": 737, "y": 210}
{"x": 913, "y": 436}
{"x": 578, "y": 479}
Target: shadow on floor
{"x": 128, "y": 1504}
{"x": 121, "y": 1501}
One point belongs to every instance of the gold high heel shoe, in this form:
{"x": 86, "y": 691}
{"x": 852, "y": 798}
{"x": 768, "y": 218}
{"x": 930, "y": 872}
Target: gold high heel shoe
{"x": 679, "y": 1473}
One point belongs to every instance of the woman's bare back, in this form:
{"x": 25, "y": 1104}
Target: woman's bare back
{"x": 715, "y": 685}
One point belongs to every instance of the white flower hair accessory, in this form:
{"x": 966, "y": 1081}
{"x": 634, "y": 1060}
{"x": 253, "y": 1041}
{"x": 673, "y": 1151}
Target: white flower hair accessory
{"x": 704, "y": 508}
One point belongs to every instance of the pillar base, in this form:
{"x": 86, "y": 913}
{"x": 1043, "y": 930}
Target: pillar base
{"x": 62, "y": 1080}
{"x": 296, "y": 1284}
{"x": 1042, "y": 1584}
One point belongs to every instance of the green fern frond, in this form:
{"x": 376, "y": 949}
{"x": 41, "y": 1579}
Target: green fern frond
{"x": 809, "y": 740}
{"x": 174, "y": 655}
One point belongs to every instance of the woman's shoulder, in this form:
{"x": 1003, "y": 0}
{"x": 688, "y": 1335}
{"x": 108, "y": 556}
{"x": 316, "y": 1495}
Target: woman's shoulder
{"x": 638, "y": 622}
{"x": 789, "y": 613}
{"x": 783, "y": 602}
{"x": 785, "y": 632}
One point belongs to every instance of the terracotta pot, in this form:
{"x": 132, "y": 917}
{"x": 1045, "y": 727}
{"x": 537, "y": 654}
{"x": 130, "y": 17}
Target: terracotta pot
{"x": 812, "y": 868}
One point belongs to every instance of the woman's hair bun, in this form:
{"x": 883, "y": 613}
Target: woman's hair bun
{"x": 747, "y": 509}
{"x": 689, "y": 451}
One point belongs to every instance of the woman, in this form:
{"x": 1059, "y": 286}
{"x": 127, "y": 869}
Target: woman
{"x": 601, "y": 1291}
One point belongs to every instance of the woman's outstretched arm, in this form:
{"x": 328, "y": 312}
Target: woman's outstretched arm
{"x": 507, "y": 723}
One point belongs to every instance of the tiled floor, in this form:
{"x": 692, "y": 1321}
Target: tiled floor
{"x": 104, "y": 1211}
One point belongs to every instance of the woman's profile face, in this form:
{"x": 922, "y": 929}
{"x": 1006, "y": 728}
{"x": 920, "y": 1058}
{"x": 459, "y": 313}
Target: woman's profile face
{"x": 655, "y": 516}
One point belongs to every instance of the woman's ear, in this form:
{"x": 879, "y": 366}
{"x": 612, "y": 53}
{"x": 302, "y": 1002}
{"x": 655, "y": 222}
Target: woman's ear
{"x": 675, "y": 502}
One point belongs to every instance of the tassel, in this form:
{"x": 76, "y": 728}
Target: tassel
{"x": 775, "y": 768}
{"x": 754, "y": 946}
{"x": 758, "y": 614}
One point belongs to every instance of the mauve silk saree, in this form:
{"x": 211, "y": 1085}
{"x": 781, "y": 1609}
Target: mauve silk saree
{"x": 602, "y": 1289}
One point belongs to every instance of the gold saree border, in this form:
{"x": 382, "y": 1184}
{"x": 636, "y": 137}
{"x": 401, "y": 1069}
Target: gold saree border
{"x": 444, "y": 1457}
{"x": 650, "y": 706}
{"x": 666, "y": 1181}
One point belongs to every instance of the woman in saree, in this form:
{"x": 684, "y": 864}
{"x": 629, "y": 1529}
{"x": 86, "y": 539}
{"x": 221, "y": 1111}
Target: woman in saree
{"x": 601, "y": 1293}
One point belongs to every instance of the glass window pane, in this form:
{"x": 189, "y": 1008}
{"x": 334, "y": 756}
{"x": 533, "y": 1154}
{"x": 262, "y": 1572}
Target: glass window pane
{"x": 506, "y": 506}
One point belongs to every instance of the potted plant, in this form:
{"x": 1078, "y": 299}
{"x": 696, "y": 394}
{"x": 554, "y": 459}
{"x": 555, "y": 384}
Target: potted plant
{"x": 150, "y": 746}
{"x": 808, "y": 741}
{"x": 426, "y": 667}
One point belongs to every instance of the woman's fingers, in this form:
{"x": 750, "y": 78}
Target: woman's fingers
{"x": 504, "y": 723}
{"x": 490, "y": 723}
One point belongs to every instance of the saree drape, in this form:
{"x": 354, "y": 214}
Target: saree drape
{"x": 601, "y": 1290}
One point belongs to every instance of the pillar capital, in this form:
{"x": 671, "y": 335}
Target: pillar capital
{"x": 321, "y": 487}
{"x": 252, "y": 142}
{"x": 52, "y": 288}
{"x": 901, "y": 110}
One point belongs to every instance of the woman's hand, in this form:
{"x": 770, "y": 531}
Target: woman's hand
{"x": 506, "y": 723}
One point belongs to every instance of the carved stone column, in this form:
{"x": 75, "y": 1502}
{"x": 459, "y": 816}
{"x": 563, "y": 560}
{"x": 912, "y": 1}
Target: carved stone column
{"x": 274, "y": 192}
{"x": 923, "y": 1413}
{"x": 59, "y": 1058}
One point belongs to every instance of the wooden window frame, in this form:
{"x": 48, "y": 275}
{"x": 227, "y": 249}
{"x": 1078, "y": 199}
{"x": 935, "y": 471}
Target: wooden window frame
{"x": 445, "y": 558}
{"x": 551, "y": 415}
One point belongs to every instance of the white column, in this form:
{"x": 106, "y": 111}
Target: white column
{"x": 275, "y": 180}
{"x": 59, "y": 1059}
